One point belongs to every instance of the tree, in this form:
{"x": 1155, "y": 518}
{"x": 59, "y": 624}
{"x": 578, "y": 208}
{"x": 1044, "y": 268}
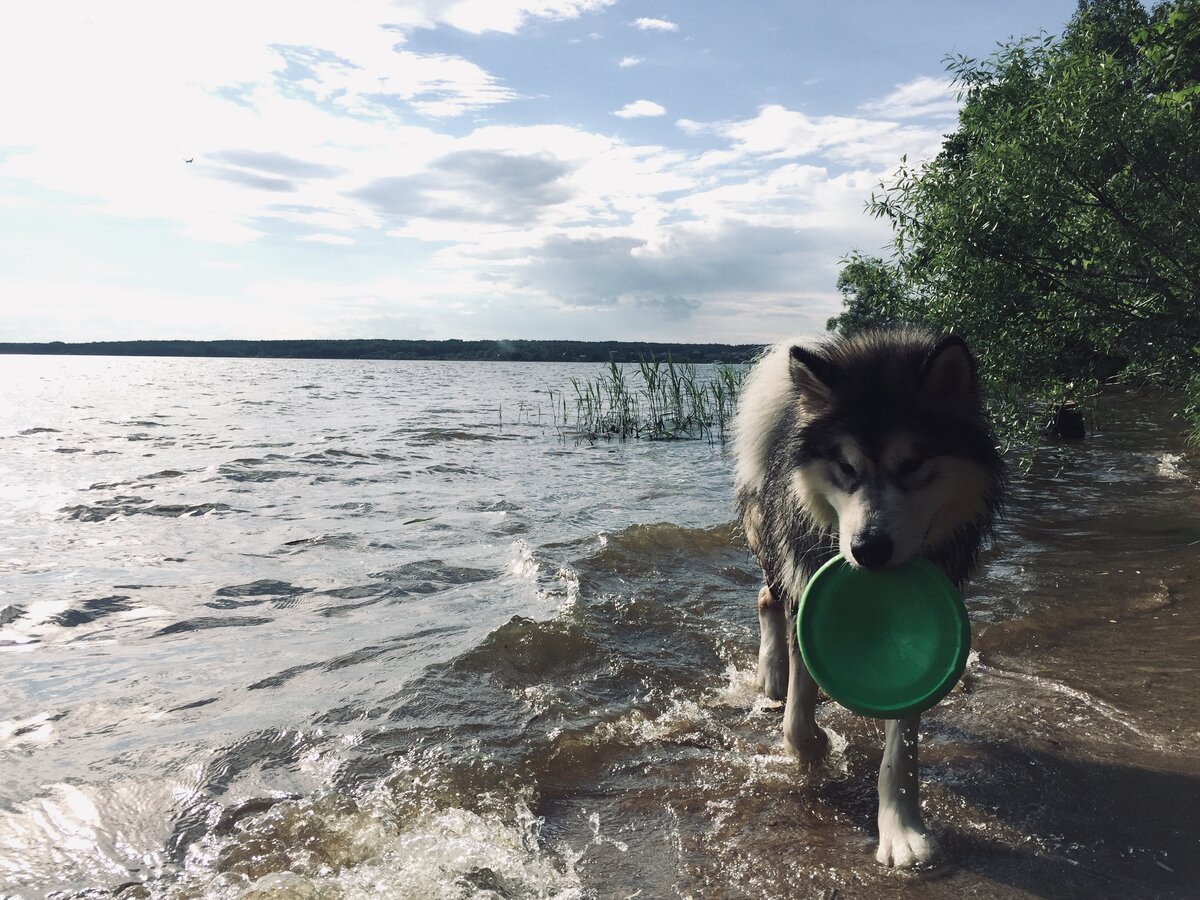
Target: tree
{"x": 1059, "y": 227}
{"x": 873, "y": 294}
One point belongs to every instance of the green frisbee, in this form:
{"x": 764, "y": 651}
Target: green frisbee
{"x": 886, "y": 644}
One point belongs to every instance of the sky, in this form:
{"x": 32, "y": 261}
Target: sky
{"x": 682, "y": 170}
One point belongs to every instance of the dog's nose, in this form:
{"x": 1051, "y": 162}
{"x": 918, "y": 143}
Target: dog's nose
{"x": 872, "y": 550}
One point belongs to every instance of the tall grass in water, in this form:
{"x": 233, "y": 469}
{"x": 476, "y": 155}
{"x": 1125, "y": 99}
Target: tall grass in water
{"x": 659, "y": 400}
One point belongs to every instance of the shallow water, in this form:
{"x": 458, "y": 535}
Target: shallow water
{"x": 289, "y": 628}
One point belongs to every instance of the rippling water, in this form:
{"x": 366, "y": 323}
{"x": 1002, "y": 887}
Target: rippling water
{"x": 331, "y": 629}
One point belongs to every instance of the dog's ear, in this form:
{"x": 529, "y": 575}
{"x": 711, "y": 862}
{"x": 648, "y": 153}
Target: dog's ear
{"x": 949, "y": 371}
{"x": 813, "y": 376}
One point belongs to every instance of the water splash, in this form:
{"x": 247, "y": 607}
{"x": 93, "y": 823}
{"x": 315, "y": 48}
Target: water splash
{"x": 332, "y": 847}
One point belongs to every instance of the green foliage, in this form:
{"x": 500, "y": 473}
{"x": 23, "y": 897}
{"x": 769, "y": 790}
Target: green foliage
{"x": 1058, "y": 229}
{"x": 1191, "y": 412}
{"x": 1170, "y": 49}
{"x": 665, "y": 400}
{"x": 873, "y": 294}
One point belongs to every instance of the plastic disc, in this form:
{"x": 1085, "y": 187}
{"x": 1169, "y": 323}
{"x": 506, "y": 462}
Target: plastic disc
{"x": 886, "y": 644}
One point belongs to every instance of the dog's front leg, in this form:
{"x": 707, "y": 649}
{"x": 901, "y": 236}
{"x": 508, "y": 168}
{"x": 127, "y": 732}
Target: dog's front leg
{"x": 902, "y": 838}
{"x": 802, "y": 737}
{"x": 772, "y": 678}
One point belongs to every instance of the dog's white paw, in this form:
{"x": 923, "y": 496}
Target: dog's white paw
{"x": 772, "y": 680}
{"x": 810, "y": 747}
{"x": 903, "y": 845}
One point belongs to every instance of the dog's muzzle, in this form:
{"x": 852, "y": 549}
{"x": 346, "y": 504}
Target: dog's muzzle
{"x": 872, "y": 550}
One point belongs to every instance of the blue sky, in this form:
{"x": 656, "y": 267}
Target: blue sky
{"x": 584, "y": 169}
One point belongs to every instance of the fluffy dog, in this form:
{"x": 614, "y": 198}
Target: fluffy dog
{"x": 875, "y": 446}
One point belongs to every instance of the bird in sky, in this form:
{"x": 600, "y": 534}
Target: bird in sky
{"x": 193, "y": 159}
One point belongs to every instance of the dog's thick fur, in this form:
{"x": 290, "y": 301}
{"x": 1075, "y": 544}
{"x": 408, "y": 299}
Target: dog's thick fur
{"x": 877, "y": 447}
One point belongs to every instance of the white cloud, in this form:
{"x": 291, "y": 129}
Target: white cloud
{"x": 507, "y": 16}
{"x": 919, "y": 98}
{"x": 640, "y": 109}
{"x": 324, "y": 238}
{"x": 119, "y": 137}
{"x": 777, "y": 132}
{"x": 354, "y": 54}
{"x": 433, "y": 84}
{"x": 321, "y": 124}
{"x": 644, "y": 24}
{"x": 628, "y": 62}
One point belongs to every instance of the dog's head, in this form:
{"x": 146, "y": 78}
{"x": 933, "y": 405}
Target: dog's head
{"x": 893, "y": 452}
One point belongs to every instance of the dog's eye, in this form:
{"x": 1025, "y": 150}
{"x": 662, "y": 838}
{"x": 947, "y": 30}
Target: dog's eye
{"x": 908, "y": 467}
{"x": 848, "y": 470}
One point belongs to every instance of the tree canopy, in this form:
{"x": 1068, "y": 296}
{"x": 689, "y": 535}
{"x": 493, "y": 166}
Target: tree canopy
{"x": 1058, "y": 229}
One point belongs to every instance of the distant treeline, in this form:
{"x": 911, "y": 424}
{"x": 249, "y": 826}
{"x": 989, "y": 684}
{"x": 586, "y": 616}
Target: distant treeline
{"x": 522, "y": 351}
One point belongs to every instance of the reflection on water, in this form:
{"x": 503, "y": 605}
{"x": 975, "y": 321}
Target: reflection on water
{"x": 329, "y": 629}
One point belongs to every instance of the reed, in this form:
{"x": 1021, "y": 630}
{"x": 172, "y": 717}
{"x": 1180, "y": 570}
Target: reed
{"x": 659, "y": 399}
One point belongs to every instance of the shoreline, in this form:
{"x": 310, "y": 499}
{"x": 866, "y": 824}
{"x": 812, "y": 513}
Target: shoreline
{"x": 452, "y": 350}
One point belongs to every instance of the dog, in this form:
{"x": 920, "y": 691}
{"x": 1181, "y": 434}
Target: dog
{"x": 875, "y": 446}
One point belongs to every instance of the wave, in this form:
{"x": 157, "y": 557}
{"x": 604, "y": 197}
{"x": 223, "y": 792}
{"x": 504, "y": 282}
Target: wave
{"x": 139, "y": 506}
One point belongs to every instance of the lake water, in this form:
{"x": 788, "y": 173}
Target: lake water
{"x": 332, "y": 629}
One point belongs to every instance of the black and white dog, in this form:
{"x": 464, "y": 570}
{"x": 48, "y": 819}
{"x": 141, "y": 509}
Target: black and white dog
{"x": 875, "y": 446}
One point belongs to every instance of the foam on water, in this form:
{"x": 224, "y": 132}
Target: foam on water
{"x": 1168, "y": 466}
{"x": 330, "y": 848}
